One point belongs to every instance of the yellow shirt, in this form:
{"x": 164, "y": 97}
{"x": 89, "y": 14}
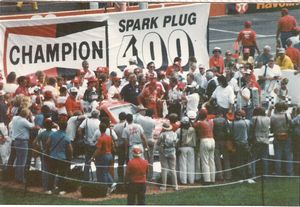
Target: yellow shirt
{"x": 285, "y": 63}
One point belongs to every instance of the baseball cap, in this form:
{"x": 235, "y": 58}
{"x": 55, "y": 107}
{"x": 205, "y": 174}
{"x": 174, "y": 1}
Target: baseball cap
{"x": 73, "y": 90}
{"x": 191, "y": 114}
{"x": 217, "y": 49}
{"x": 137, "y": 151}
{"x": 281, "y": 50}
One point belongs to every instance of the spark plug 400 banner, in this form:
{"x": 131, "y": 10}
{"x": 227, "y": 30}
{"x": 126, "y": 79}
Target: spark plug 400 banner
{"x": 105, "y": 40}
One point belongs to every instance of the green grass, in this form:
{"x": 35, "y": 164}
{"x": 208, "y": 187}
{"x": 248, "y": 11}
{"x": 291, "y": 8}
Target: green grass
{"x": 277, "y": 192}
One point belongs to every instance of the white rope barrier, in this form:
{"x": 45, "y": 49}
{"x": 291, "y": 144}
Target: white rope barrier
{"x": 294, "y": 161}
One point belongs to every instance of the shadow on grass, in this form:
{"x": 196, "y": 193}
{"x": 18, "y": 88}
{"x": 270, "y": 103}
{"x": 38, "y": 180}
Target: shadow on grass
{"x": 277, "y": 192}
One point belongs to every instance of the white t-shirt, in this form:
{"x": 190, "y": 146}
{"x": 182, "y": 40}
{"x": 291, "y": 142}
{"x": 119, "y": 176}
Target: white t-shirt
{"x": 240, "y": 100}
{"x": 72, "y": 127}
{"x": 90, "y": 125}
{"x": 192, "y": 102}
{"x": 10, "y": 87}
{"x": 109, "y": 132}
{"x": 224, "y": 96}
{"x": 61, "y": 100}
{"x": 52, "y": 89}
{"x": 112, "y": 91}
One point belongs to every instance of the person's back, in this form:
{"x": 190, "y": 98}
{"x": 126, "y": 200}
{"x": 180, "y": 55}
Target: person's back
{"x": 59, "y": 143}
{"x": 240, "y": 130}
{"x": 137, "y": 170}
{"x": 279, "y": 122}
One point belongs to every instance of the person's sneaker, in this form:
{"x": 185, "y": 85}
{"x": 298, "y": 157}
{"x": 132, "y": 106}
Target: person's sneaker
{"x": 250, "y": 181}
{"x": 112, "y": 188}
{"x": 62, "y": 192}
{"x": 48, "y": 192}
{"x": 175, "y": 189}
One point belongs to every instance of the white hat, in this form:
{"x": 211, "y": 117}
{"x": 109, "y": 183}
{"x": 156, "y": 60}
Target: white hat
{"x": 267, "y": 47}
{"x": 281, "y": 50}
{"x": 185, "y": 120}
{"x": 217, "y": 49}
{"x": 133, "y": 59}
{"x": 201, "y": 66}
{"x": 191, "y": 114}
{"x": 73, "y": 90}
{"x": 2, "y": 93}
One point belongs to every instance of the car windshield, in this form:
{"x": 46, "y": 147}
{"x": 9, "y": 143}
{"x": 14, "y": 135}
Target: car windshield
{"x": 128, "y": 109}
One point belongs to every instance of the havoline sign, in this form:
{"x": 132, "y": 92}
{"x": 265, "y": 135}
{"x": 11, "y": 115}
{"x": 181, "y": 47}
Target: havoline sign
{"x": 239, "y": 8}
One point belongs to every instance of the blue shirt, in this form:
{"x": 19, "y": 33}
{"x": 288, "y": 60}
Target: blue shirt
{"x": 21, "y": 128}
{"x": 59, "y": 143}
{"x": 42, "y": 139}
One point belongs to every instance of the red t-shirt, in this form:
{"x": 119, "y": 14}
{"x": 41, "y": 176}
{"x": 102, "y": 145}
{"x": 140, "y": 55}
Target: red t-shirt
{"x": 137, "y": 169}
{"x": 72, "y": 105}
{"x": 294, "y": 54}
{"x": 247, "y": 36}
{"x": 22, "y": 90}
{"x": 217, "y": 62}
{"x": 204, "y": 129}
{"x": 104, "y": 144}
{"x": 286, "y": 23}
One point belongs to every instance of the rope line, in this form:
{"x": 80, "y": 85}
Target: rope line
{"x": 177, "y": 171}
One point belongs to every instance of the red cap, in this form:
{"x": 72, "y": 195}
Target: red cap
{"x": 136, "y": 151}
{"x": 48, "y": 94}
{"x": 76, "y": 80}
{"x": 248, "y": 23}
{"x": 230, "y": 116}
{"x": 103, "y": 70}
{"x": 92, "y": 79}
{"x": 82, "y": 72}
{"x": 181, "y": 85}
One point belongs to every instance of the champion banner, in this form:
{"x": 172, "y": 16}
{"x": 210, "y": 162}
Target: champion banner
{"x": 159, "y": 35}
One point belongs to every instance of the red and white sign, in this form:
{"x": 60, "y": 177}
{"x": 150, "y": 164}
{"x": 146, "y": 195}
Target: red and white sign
{"x": 241, "y": 8}
{"x": 109, "y": 40}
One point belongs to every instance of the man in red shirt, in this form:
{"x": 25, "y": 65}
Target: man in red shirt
{"x": 247, "y": 37}
{"x": 137, "y": 169}
{"x": 293, "y": 53}
{"x": 72, "y": 104}
{"x": 285, "y": 27}
{"x": 103, "y": 158}
{"x": 217, "y": 60}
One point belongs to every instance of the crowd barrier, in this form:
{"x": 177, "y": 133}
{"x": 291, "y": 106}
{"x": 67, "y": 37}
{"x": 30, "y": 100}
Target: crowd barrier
{"x": 159, "y": 184}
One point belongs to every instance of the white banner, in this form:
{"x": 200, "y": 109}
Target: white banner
{"x": 110, "y": 40}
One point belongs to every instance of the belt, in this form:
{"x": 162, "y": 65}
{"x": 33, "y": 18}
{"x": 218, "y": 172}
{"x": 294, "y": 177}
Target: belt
{"x": 23, "y": 140}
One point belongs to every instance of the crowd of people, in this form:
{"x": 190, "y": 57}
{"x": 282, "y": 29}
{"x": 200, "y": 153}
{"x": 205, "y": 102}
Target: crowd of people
{"x": 206, "y": 110}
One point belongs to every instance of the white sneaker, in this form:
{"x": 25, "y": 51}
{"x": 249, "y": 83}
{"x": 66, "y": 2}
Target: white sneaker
{"x": 48, "y": 192}
{"x": 113, "y": 187}
{"x": 250, "y": 181}
{"x": 62, "y": 192}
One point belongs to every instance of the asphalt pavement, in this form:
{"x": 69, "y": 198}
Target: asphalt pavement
{"x": 223, "y": 30}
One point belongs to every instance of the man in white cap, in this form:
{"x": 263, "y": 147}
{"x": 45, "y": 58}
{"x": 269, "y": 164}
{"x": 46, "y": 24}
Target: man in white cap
{"x": 186, "y": 136}
{"x": 136, "y": 172}
{"x": 264, "y": 57}
{"x": 132, "y": 64}
{"x": 86, "y": 130}
{"x": 283, "y": 60}
{"x": 167, "y": 154}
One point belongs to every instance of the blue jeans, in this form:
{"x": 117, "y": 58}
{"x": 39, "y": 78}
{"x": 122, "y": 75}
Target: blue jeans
{"x": 103, "y": 163}
{"x": 21, "y": 158}
{"x": 44, "y": 172}
{"x": 88, "y": 153}
{"x": 283, "y": 151}
{"x": 260, "y": 151}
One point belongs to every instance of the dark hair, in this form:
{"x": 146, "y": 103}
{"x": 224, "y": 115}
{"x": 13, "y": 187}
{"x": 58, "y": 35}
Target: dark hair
{"x": 11, "y": 77}
{"x": 21, "y": 79}
{"x": 102, "y": 127}
{"x": 62, "y": 124}
{"x": 129, "y": 118}
{"x": 279, "y": 107}
{"x": 63, "y": 89}
{"x": 173, "y": 117}
{"x": 105, "y": 120}
{"x": 177, "y": 59}
{"x": 122, "y": 116}
{"x": 222, "y": 81}
{"x": 150, "y": 64}
{"x": 259, "y": 111}
{"x": 51, "y": 81}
